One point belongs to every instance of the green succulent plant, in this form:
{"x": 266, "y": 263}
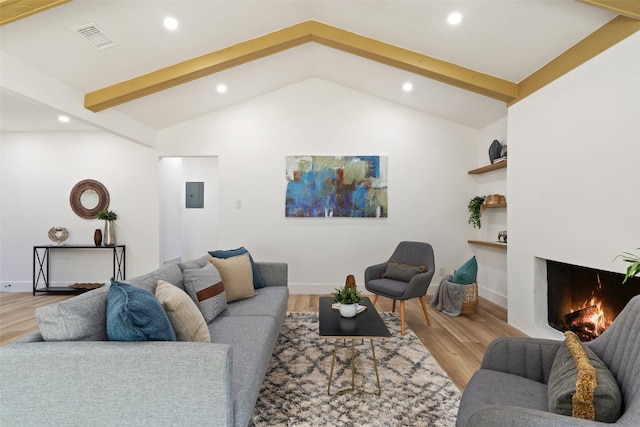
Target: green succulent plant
{"x": 346, "y": 295}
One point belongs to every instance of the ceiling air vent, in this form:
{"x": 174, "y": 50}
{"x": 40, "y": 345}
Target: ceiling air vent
{"x": 94, "y": 35}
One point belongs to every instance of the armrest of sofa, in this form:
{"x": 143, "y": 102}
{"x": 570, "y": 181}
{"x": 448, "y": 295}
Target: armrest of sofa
{"x": 274, "y": 273}
{"x": 116, "y": 383}
{"x": 530, "y": 358}
{"x": 507, "y": 416}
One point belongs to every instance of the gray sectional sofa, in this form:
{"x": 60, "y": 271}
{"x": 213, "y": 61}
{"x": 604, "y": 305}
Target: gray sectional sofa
{"x": 93, "y": 381}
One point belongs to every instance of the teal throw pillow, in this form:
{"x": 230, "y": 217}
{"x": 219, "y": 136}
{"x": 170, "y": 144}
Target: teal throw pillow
{"x": 258, "y": 281}
{"x": 135, "y": 314}
{"x": 467, "y": 273}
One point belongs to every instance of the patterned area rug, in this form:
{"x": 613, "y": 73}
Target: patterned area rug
{"x": 415, "y": 389}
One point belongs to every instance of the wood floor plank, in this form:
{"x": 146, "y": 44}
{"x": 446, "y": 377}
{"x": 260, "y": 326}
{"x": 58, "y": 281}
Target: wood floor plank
{"x": 457, "y": 343}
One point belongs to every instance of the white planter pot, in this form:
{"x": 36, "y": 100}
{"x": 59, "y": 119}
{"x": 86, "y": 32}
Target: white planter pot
{"x": 348, "y": 310}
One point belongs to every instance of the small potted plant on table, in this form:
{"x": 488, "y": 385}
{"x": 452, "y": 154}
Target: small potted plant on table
{"x": 348, "y": 298}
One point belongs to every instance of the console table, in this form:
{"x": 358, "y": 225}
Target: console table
{"x": 41, "y": 265}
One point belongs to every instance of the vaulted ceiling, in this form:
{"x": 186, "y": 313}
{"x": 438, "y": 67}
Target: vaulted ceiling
{"x": 500, "y": 52}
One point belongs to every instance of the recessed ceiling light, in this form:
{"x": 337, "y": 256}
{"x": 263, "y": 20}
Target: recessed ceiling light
{"x": 407, "y": 87}
{"x": 454, "y": 18}
{"x": 221, "y": 88}
{"x": 170, "y": 23}
{"x": 64, "y": 119}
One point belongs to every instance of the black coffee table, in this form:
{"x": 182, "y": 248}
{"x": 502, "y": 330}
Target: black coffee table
{"x": 366, "y": 325}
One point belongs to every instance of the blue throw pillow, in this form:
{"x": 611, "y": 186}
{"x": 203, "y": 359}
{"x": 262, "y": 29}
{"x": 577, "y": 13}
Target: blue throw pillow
{"x": 467, "y": 273}
{"x": 134, "y": 314}
{"x": 258, "y": 281}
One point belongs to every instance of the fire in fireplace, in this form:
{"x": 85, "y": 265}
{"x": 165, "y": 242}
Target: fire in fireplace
{"x": 585, "y": 300}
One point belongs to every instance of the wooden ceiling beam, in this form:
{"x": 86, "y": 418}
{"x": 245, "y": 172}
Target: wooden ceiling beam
{"x": 597, "y": 42}
{"x": 12, "y": 10}
{"x": 309, "y": 31}
{"x": 628, "y": 8}
{"x": 413, "y": 62}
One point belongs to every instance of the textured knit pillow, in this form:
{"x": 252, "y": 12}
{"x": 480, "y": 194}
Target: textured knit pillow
{"x": 467, "y": 273}
{"x": 402, "y": 272}
{"x": 258, "y": 281}
{"x": 206, "y": 289}
{"x": 581, "y": 385}
{"x": 134, "y": 314}
{"x": 185, "y": 317}
{"x": 236, "y": 276}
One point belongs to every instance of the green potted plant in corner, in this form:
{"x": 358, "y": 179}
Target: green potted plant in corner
{"x": 475, "y": 210}
{"x": 633, "y": 269}
{"x": 348, "y": 298}
{"x": 109, "y": 231}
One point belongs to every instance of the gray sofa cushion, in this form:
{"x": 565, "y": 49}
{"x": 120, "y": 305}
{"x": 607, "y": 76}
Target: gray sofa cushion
{"x": 269, "y": 301}
{"x": 194, "y": 264}
{"x": 252, "y": 339}
{"x": 169, "y": 273}
{"x": 82, "y": 318}
{"x": 501, "y": 389}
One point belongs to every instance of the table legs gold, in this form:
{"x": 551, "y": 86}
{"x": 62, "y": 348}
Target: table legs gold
{"x": 353, "y": 370}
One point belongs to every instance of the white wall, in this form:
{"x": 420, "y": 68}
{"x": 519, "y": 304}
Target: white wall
{"x": 37, "y": 173}
{"x": 428, "y": 182}
{"x": 429, "y": 187}
{"x": 573, "y": 176}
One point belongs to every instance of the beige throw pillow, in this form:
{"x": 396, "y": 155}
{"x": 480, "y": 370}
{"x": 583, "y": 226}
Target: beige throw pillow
{"x": 237, "y": 276}
{"x": 185, "y": 317}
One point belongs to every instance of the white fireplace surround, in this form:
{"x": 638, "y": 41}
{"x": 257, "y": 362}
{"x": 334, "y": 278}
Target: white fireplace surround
{"x": 573, "y": 178}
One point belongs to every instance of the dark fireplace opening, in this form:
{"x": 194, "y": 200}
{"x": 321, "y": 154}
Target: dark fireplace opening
{"x": 585, "y": 300}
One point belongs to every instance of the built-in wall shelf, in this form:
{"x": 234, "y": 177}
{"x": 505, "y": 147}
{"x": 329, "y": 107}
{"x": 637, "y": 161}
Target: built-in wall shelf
{"x": 487, "y": 243}
{"x": 489, "y": 168}
{"x": 496, "y": 205}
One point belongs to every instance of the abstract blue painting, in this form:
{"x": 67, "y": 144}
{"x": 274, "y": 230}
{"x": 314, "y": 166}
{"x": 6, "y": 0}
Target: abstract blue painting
{"x": 336, "y": 186}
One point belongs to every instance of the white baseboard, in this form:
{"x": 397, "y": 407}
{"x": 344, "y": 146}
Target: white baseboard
{"x": 16, "y": 287}
{"x": 493, "y": 296}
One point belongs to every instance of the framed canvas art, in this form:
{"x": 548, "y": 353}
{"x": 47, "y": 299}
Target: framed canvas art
{"x": 336, "y": 186}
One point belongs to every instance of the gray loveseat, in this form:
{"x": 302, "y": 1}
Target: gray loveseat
{"x": 82, "y": 383}
{"x": 510, "y": 389}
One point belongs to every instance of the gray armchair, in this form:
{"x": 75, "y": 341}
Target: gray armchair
{"x": 409, "y": 253}
{"x": 510, "y": 389}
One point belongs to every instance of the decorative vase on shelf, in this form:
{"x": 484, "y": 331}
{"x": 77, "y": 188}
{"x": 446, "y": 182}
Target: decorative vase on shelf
{"x": 97, "y": 237}
{"x": 109, "y": 234}
{"x": 348, "y": 310}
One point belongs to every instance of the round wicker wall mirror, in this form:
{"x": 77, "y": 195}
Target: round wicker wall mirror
{"x": 88, "y": 197}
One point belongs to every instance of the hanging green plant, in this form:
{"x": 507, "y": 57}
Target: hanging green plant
{"x": 475, "y": 206}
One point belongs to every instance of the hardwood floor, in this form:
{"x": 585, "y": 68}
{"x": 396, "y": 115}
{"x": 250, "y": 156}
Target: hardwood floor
{"x": 457, "y": 343}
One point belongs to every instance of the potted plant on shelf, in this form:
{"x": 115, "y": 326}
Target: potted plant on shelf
{"x": 109, "y": 231}
{"x": 475, "y": 210}
{"x": 348, "y": 298}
